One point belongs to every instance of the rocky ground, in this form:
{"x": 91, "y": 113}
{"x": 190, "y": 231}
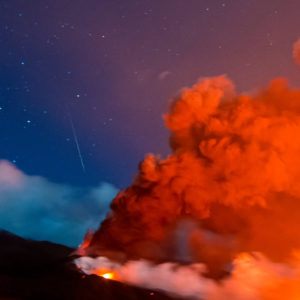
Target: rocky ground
{"x": 43, "y": 270}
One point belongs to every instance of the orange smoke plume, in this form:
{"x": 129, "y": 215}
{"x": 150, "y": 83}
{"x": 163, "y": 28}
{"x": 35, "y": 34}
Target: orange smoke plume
{"x": 233, "y": 176}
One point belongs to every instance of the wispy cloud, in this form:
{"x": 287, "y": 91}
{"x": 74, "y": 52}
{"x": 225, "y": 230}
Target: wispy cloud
{"x": 33, "y": 207}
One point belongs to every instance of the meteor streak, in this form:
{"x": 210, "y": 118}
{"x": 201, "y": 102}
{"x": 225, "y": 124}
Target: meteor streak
{"x": 76, "y": 140}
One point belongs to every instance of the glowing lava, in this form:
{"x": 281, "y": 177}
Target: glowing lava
{"x": 108, "y": 276}
{"x": 106, "y": 273}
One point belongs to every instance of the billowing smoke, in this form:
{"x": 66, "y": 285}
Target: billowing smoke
{"x": 234, "y": 172}
{"x": 33, "y": 207}
{"x": 230, "y": 186}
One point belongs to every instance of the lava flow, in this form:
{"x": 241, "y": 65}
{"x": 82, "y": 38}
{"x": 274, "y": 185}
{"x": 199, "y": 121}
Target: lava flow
{"x": 219, "y": 217}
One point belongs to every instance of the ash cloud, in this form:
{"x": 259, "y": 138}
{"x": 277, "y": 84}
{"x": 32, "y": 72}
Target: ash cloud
{"x": 219, "y": 217}
{"x": 33, "y": 207}
{"x": 234, "y": 171}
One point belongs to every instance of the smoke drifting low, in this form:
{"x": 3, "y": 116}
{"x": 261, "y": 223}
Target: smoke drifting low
{"x": 253, "y": 278}
{"x": 35, "y": 208}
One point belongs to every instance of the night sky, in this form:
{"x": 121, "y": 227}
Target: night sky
{"x": 84, "y": 84}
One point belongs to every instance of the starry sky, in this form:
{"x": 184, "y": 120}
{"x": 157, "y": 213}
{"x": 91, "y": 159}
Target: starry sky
{"x": 113, "y": 65}
{"x": 84, "y": 83}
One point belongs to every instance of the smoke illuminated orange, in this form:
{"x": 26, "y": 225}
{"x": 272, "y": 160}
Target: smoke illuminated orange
{"x": 233, "y": 177}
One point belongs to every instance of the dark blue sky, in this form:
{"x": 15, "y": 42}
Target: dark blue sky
{"x": 114, "y": 65}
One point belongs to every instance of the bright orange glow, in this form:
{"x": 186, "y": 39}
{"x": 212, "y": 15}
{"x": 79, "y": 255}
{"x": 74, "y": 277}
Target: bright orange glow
{"x": 106, "y": 273}
{"x": 108, "y": 276}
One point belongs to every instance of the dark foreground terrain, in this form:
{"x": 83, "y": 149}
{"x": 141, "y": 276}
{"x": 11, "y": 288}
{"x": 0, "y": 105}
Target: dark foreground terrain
{"x": 43, "y": 270}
